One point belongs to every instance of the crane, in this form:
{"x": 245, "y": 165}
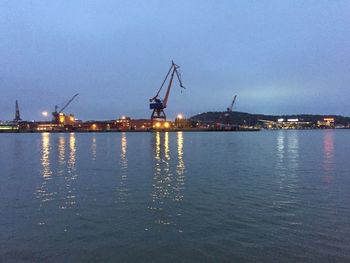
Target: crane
{"x": 57, "y": 113}
{"x": 229, "y": 110}
{"x": 156, "y": 103}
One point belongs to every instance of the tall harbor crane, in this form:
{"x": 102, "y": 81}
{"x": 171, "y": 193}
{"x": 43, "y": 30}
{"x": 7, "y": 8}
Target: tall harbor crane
{"x": 156, "y": 103}
{"x": 229, "y": 110}
{"x": 17, "y": 114}
{"x": 57, "y": 113}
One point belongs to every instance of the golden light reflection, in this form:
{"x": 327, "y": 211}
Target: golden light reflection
{"x": 42, "y": 191}
{"x": 61, "y": 150}
{"x": 45, "y": 154}
{"x": 161, "y": 179}
{"x": 168, "y": 180}
{"x": 71, "y": 175}
{"x": 166, "y": 147}
{"x": 180, "y": 168}
{"x": 72, "y": 151}
{"x": 122, "y": 188}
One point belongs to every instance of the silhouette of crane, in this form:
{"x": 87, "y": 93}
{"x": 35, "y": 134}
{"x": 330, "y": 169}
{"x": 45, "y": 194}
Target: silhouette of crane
{"x": 156, "y": 103}
{"x": 56, "y": 113}
{"x": 229, "y": 110}
{"x": 17, "y": 114}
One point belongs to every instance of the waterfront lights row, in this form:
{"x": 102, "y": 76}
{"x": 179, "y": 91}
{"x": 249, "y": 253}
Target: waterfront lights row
{"x": 161, "y": 125}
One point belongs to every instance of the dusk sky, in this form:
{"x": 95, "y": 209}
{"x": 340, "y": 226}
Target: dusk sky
{"x": 279, "y": 57}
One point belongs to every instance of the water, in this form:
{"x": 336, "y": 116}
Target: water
{"x": 270, "y": 196}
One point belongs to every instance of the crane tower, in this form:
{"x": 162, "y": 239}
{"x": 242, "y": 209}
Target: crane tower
{"x": 157, "y": 105}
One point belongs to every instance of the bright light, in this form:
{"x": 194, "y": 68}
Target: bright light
{"x": 179, "y": 116}
{"x": 123, "y": 117}
{"x": 93, "y": 126}
{"x": 158, "y": 125}
{"x": 72, "y": 118}
{"x": 61, "y": 119}
{"x": 45, "y": 113}
{"x": 280, "y": 120}
{"x": 166, "y": 124}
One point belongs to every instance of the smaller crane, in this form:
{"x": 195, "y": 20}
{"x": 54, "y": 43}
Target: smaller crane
{"x": 56, "y": 114}
{"x": 229, "y": 110}
{"x": 17, "y": 114}
{"x": 156, "y": 103}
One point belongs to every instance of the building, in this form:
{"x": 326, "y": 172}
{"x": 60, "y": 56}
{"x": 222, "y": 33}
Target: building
{"x": 326, "y": 123}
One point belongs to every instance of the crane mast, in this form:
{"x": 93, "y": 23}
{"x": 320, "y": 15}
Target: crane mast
{"x": 229, "y": 110}
{"x": 156, "y": 103}
{"x": 233, "y": 102}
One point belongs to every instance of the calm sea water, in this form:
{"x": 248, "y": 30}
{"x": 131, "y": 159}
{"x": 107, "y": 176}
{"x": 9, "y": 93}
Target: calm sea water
{"x": 270, "y": 196}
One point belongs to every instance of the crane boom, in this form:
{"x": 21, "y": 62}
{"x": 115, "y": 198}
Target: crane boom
{"x": 233, "y": 102}
{"x": 69, "y": 102}
{"x": 175, "y": 67}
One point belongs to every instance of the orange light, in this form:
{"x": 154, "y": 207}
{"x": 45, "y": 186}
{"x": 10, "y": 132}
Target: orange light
{"x": 166, "y": 124}
{"x": 61, "y": 118}
{"x": 93, "y": 126}
{"x": 158, "y": 125}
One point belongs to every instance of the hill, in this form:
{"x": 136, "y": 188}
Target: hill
{"x": 252, "y": 119}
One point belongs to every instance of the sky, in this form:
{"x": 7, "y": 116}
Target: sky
{"x": 278, "y": 57}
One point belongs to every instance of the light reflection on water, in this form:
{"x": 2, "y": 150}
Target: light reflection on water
{"x": 57, "y": 178}
{"x": 287, "y": 158}
{"x": 286, "y": 169}
{"x": 71, "y": 175}
{"x": 59, "y": 204}
{"x": 93, "y": 148}
{"x": 168, "y": 181}
{"x": 45, "y": 152}
{"x": 42, "y": 192}
{"x": 328, "y": 150}
{"x": 61, "y": 151}
{"x": 122, "y": 188}
{"x": 180, "y": 168}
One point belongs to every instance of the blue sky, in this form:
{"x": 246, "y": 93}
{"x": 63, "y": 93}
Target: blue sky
{"x": 279, "y": 57}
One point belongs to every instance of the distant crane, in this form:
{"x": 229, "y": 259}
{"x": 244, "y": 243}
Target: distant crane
{"x": 156, "y": 103}
{"x": 17, "y": 114}
{"x": 56, "y": 114}
{"x": 229, "y": 110}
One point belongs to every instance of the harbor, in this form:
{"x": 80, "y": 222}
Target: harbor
{"x": 226, "y": 121}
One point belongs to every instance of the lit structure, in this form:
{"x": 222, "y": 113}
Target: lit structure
{"x": 181, "y": 122}
{"x": 123, "y": 123}
{"x": 326, "y": 123}
{"x": 291, "y": 123}
{"x": 162, "y": 125}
